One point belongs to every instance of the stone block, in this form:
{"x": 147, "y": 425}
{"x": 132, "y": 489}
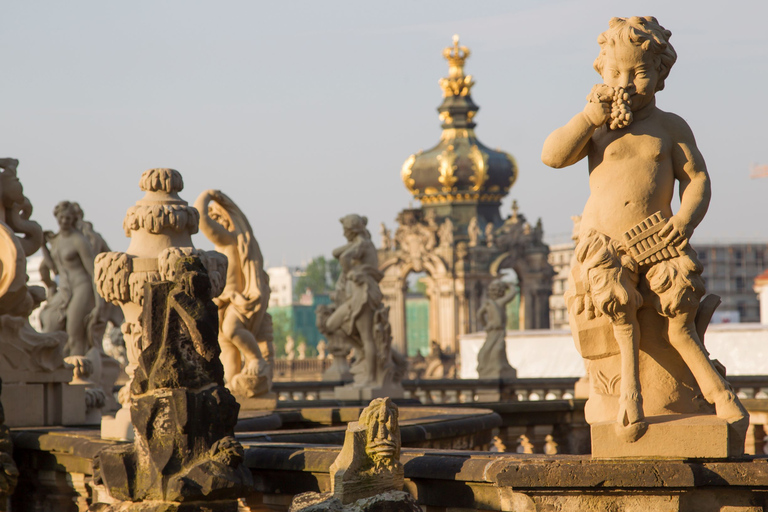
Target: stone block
{"x": 71, "y": 403}
{"x": 24, "y": 405}
{"x": 670, "y": 436}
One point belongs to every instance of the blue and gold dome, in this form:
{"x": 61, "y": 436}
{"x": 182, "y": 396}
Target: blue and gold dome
{"x": 459, "y": 168}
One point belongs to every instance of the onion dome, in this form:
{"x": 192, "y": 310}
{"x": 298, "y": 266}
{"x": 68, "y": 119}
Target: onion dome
{"x": 459, "y": 168}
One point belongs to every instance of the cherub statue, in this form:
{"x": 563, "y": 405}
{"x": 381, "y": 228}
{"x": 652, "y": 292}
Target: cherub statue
{"x": 473, "y": 230}
{"x": 492, "y": 360}
{"x": 245, "y": 327}
{"x": 633, "y": 251}
{"x": 290, "y": 348}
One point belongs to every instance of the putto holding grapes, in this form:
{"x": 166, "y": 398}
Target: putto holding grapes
{"x": 636, "y": 282}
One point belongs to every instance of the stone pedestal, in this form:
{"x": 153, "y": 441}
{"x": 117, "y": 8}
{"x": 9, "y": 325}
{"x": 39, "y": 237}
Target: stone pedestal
{"x": 672, "y": 436}
{"x": 367, "y": 394}
{"x": 37, "y": 404}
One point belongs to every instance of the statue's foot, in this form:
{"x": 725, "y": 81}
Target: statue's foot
{"x": 728, "y": 407}
{"x": 630, "y": 423}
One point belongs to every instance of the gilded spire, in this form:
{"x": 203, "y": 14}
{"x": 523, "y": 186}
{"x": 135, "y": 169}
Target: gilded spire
{"x": 457, "y": 84}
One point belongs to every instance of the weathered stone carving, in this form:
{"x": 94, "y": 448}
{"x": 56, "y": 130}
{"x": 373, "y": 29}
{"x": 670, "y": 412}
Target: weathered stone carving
{"x": 367, "y": 475}
{"x": 31, "y": 363}
{"x": 246, "y": 327}
{"x": 160, "y": 226}
{"x": 635, "y": 296}
{"x": 492, "y": 360}
{"x": 358, "y": 314}
{"x": 183, "y": 415}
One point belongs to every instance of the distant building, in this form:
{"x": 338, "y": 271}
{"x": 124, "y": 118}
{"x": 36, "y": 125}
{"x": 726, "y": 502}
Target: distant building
{"x": 560, "y": 259}
{"x": 281, "y": 282}
{"x": 729, "y": 271}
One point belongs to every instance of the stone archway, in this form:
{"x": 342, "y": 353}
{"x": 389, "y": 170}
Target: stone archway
{"x": 441, "y": 294}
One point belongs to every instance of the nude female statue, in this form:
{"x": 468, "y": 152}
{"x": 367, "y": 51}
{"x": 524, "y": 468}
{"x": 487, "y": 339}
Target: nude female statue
{"x": 76, "y": 305}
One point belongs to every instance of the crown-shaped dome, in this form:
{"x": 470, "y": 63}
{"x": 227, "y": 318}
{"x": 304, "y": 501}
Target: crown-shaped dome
{"x": 459, "y": 168}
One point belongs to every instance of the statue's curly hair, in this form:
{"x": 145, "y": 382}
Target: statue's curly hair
{"x": 642, "y": 31}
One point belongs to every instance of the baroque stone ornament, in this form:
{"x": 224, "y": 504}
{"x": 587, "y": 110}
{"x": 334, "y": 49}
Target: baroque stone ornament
{"x": 358, "y": 315}
{"x": 31, "y": 363}
{"x": 245, "y": 328}
{"x": 492, "y": 362}
{"x": 635, "y": 294}
{"x": 367, "y": 475}
{"x": 160, "y": 226}
{"x": 184, "y": 456}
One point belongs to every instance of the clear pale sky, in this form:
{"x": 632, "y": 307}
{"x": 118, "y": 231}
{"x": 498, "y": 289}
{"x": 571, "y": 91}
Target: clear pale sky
{"x": 303, "y": 112}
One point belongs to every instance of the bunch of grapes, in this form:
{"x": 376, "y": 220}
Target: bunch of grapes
{"x": 621, "y": 114}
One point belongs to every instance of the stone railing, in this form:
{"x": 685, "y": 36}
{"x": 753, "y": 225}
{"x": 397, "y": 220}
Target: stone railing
{"x": 445, "y": 391}
{"x": 750, "y": 386}
{"x": 300, "y": 369}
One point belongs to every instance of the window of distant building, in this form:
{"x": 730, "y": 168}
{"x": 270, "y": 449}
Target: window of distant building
{"x": 739, "y": 284}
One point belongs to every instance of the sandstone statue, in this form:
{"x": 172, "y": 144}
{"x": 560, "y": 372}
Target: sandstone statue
{"x": 245, "y": 326}
{"x": 358, "y": 313}
{"x": 74, "y": 307}
{"x": 31, "y": 363}
{"x": 492, "y": 360}
{"x": 184, "y": 417}
{"x": 636, "y": 285}
{"x": 367, "y": 475}
{"x": 473, "y": 231}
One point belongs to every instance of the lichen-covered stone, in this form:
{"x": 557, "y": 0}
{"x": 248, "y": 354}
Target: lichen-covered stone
{"x": 183, "y": 416}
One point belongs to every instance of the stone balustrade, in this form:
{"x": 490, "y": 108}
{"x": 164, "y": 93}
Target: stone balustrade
{"x": 444, "y": 391}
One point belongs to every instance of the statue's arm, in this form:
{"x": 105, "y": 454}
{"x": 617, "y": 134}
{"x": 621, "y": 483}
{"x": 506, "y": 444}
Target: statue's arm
{"x": 509, "y": 296}
{"x": 214, "y": 231}
{"x": 694, "y": 183}
{"x": 570, "y": 143}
